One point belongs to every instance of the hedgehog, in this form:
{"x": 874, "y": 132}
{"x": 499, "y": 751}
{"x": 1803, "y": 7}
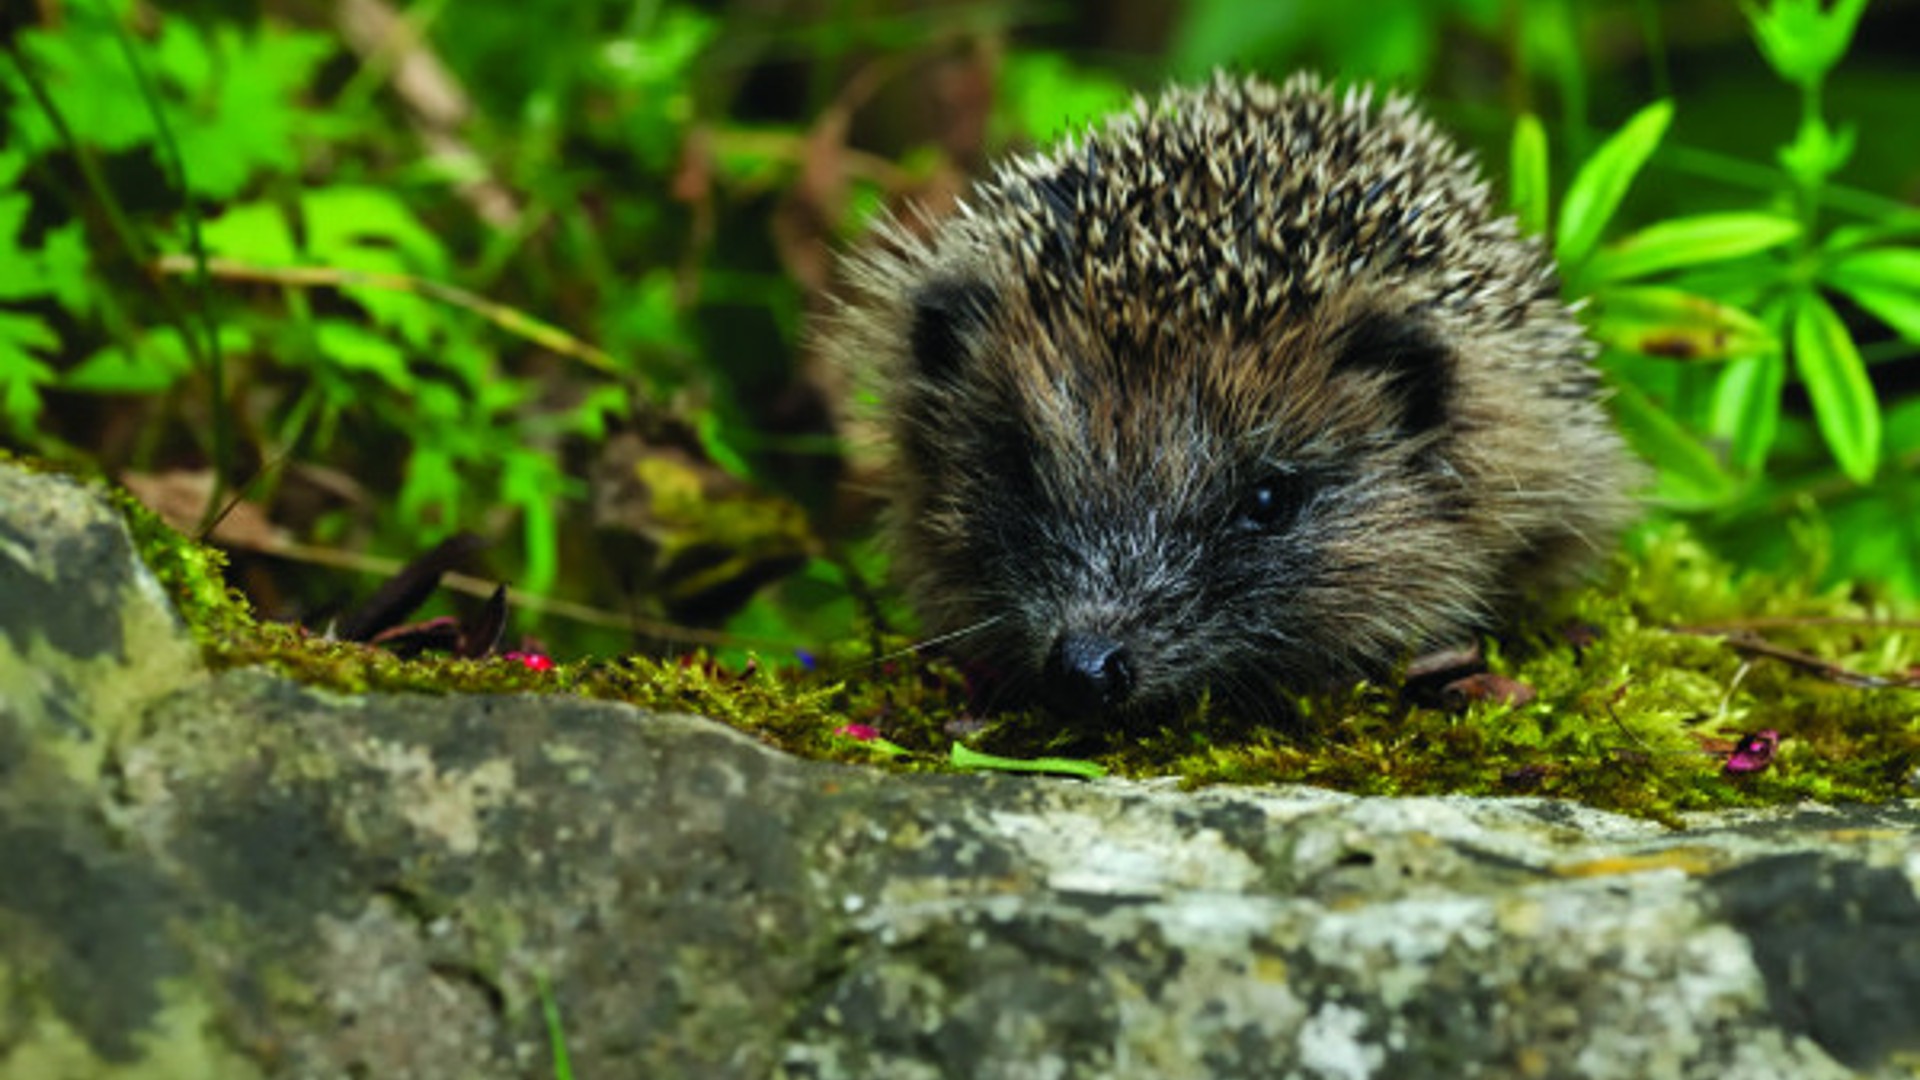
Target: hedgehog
{"x": 1246, "y": 389}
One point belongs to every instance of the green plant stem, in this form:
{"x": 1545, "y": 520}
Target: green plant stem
{"x": 1656, "y": 40}
{"x": 1810, "y": 192}
{"x": 214, "y": 358}
{"x": 512, "y": 320}
{"x": 1711, "y": 164}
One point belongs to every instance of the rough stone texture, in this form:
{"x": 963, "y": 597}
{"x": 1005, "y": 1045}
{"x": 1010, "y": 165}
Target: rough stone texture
{"x": 250, "y": 878}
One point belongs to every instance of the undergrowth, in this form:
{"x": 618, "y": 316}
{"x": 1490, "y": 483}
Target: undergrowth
{"x": 1643, "y": 682}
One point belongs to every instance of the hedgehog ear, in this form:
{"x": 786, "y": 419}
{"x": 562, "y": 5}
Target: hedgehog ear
{"x": 1416, "y": 363}
{"x": 948, "y": 313}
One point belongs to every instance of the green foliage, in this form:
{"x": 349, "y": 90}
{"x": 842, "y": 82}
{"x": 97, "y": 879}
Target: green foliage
{"x": 1602, "y": 182}
{"x": 1382, "y": 39}
{"x": 445, "y": 297}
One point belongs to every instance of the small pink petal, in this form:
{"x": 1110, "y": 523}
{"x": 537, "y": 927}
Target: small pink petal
{"x": 862, "y": 732}
{"x": 534, "y": 660}
{"x": 1752, "y": 753}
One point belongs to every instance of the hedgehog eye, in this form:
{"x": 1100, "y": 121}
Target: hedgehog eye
{"x": 1274, "y": 502}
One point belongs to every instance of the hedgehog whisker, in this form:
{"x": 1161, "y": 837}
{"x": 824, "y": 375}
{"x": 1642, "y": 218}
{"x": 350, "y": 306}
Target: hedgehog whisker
{"x": 942, "y": 639}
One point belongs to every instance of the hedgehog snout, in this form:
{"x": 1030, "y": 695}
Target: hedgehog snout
{"x": 1089, "y": 672}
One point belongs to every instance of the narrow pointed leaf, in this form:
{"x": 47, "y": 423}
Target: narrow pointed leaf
{"x": 1844, "y": 404}
{"x": 1688, "y": 477}
{"x": 1654, "y": 320}
{"x": 1691, "y": 241}
{"x": 1531, "y": 196}
{"x": 1603, "y": 181}
{"x": 965, "y": 757}
{"x": 1746, "y": 408}
{"x": 1885, "y": 281}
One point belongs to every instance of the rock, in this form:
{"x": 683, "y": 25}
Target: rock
{"x": 248, "y": 878}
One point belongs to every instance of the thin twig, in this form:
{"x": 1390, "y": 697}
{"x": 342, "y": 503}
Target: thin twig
{"x": 512, "y": 320}
{"x": 382, "y": 566}
{"x": 1753, "y": 644}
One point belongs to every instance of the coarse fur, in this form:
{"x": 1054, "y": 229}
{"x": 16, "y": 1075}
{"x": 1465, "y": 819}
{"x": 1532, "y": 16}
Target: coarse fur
{"x": 1250, "y": 382}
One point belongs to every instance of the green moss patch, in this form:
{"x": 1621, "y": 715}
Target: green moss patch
{"x": 1641, "y": 684}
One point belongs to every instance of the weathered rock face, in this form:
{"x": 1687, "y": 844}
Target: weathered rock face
{"x": 233, "y": 876}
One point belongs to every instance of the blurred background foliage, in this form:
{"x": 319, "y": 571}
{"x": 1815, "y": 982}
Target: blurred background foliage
{"x": 332, "y": 280}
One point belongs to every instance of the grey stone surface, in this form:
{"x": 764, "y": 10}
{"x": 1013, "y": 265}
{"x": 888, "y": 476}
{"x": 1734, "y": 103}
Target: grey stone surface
{"x": 246, "y": 878}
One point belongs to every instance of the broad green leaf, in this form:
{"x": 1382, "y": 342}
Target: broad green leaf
{"x": 353, "y": 347}
{"x": 1688, "y": 476}
{"x": 1657, "y": 320}
{"x": 1532, "y": 199}
{"x": 1746, "y": 408}
{"x": 112, "y": 371}
{"x": 88, "y": 79}
{"x": 1691, "y": 241}
{"x": 1800, "y": 41}
{"x": 371, "y": 229}
{"x": 255, "y": 233}
{"x": 19, "y": 272}
{"x": 21, "y": 373}
{"x": 1885, "y": 281}
{"x": 58, "y": 268}
{"x": 1602, "y": 182}
{"x": 965, "y": 757}
{"x": 239, "y": 115}
{"x": 67, "y": 264}
{"x": 160, "y": 359}
{"x": 1844, "y": 404}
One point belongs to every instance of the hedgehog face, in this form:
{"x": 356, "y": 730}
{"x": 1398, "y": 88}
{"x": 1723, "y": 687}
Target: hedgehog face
{"x": 1116, "y": 529}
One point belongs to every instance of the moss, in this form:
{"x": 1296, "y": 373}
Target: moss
{"x": 1636, "y": 717}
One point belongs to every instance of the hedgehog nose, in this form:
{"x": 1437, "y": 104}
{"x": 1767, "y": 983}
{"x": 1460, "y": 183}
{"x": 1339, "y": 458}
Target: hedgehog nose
{"x": 1090, "y": 671}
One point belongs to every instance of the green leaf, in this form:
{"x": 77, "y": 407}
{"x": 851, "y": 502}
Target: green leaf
{"x": 352, "y": 347}
{"x": 1844, "y": 404}
{"x": 430, "y": 495}
{"x": 1657, "y": 320}
{"x": 1532, "y": 199}
{"x": 371, "y": 229}
{"x": 88, "y": 79}
{"x": 19, "y": 276}
{"x": 21, "y": 373}
{"x": 1746, "y": 408}
{"x": 875, "y": 745}
{"x": 1886, "y": 282}
{"x": 159, "y": 360}
{"x": 66, "y": 264}
{"x": 112, "y": 370}
{"x": 1688, "y": 477}
{"x": 532, "y": 482}
{"x": 1043, "y": 97}
{"x": 1603, "y": 181}
{"x": 1691, "y": 241}
{"x": 256, "y": 233}
{"x": 1799, "y": 40}
{"x": 1816, "y": 152}
{"x": 235, "y": 113}
{"x": 964, "y": 757}
{"x": 57, "y": 268}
